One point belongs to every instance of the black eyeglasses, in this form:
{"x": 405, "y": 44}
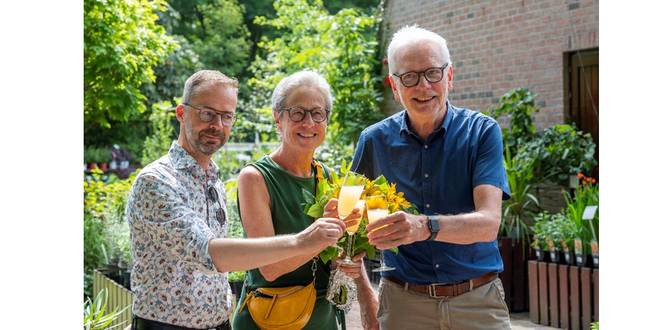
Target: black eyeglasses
{"x": 208, "y": 115}
{"x": 215, "y": 198}
{"x": 432, "y": 75}
{"x": 297, "y": 114}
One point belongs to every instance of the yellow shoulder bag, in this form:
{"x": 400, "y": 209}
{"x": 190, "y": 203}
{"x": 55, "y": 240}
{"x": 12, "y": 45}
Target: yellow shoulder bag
{"x": 287, "y": 308}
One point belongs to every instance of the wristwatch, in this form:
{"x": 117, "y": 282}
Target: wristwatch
{"x": 433, "y": 224}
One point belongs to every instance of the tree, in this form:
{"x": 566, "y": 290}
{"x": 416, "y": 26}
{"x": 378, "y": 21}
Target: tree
{"x": 216, "y": 31}
{"x": 122, "y": 44}
{"x": 342, "y": 47}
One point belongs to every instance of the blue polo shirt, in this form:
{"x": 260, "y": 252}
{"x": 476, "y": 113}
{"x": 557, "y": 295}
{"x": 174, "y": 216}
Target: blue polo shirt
{"x": 438, "y": 176}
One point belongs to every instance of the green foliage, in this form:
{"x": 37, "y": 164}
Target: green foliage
{"x": 556, "y": 228}
{"x": 122, "y": 43}
{"x": 161, "y": 121}
{"x": 341, "y": 47}
{"x": 171, "y": 75}
{"x": 216, "y": 31}
{"x": 236, "y": 276}
{"x": 95, "y": 315}
{"x": 97, "y": 155}
{"x": 518, "y": 105}
{"x": 595, "y": 326}
{"x": 518, "y": 209}
{"x": 586, "y": 194}
{"x": 106, "y": 234}
{"x": 560, "y": 151}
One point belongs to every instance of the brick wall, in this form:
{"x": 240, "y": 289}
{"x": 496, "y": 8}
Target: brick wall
{"x": 499, "y": 45}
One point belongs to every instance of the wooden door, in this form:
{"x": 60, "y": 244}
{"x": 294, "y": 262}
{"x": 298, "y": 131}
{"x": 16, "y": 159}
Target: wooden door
{"x": 583, "y": 93}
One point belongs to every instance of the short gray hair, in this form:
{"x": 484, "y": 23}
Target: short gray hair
{"x": 305, "y": 78}
{"x": 410, "y": 35}
{"x": 202, "y": 76}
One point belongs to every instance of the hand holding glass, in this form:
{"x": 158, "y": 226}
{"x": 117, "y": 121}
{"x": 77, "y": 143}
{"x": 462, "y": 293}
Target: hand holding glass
{"x": 377, "y": 209}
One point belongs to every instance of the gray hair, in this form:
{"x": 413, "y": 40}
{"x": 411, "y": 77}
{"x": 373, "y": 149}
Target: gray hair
{"x": 202, "y": 76}
{"x": 410, "y": 35}
{"x": 305, "y": 78}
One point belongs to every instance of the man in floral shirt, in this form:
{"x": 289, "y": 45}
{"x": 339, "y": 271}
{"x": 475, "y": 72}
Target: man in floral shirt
{"x": 177, "y": 214}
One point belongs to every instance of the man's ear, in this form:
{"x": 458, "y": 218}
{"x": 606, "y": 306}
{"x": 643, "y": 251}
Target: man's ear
{"x": 450, "y": 77}
{"x": 395, "y": 92}
{"x": 179, "y": 113}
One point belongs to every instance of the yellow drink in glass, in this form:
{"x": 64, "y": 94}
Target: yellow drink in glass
{"x": 352, "y": 229}
{"x": 348, "y": 197}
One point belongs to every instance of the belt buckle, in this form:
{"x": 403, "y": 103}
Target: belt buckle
{"x": 431, "y": 288}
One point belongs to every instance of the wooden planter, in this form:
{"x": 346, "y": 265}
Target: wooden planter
{"x": 563, "y": 296}
{"x": 118, "y": 298}
{"x": 514, "y": 276}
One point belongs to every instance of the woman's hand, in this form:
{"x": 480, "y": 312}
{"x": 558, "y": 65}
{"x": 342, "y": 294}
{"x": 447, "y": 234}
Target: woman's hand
{"x": 330, "y": 211}
{"x": 352, "y": 271}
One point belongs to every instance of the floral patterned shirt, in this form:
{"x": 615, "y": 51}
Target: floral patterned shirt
{"x": 174, "y": 208}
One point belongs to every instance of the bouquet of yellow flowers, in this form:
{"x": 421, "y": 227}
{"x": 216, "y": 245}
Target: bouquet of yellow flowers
{"x": 328, "y": 188}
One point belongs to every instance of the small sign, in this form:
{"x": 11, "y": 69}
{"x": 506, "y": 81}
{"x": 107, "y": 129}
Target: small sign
{"x": 589, "y": 212}
{"x": 573, "y": 181}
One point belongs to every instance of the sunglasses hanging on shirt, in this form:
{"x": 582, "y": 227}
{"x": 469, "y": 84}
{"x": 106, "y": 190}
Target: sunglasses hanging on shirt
{"x": 215, "y": 198}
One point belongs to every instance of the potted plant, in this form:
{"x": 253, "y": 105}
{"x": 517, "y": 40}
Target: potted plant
{"x": 540, "y": 230}
{"x": 104, "y": 156}
{"x": 586, "y": 243}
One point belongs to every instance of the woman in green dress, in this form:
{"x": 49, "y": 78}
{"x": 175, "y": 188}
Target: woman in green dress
{"x": 270, "y": 196}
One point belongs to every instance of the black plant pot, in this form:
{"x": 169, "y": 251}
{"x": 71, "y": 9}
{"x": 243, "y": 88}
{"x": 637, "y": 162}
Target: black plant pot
{"x": 542, "y": 255}
{"x": 126, "y": 279}
{"x": 555, "y": 256}
{"x": 569, "y": 259}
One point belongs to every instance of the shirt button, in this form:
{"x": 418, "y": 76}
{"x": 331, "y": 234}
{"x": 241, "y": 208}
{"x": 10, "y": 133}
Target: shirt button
{"x": 426, "y": 146}
{"x": 426, "y": 175}
{"x": 437, "y": 266}
{"x": 427, "y": 205}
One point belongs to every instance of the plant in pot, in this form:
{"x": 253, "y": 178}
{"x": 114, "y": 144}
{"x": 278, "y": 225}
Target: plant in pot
{"x": 91, "y": 157}
{"x": 568, "y": 232}
{"x": 236, "y": 280}
{"x": 519, "y": 208}
{"x": 539, "y": 231}
{"x": 104, "y": 157}
{"x": 586, "y": 244}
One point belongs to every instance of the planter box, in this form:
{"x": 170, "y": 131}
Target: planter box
{"x": 118, "y": 298}
{"x": 514, "y": 276}
{"x": 563, "y": 296}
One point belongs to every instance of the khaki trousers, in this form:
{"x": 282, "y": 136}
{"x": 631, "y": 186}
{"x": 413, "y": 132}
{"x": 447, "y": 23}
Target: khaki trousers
{"x": 481, "y": 308}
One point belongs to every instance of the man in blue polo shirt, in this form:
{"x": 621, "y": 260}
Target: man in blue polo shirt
{"x": 448, "y": 162}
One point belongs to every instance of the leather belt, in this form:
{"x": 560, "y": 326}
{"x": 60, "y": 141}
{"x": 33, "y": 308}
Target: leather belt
{"x": 445, "y": 290}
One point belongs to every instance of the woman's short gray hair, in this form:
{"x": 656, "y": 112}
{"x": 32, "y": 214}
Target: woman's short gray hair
{"x": 305, "y": 78}
{"x": 410, "y": 35}
{"x": 202, "y": 76}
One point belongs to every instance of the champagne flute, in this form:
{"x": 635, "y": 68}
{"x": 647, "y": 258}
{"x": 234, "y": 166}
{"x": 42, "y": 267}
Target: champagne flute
{"x": 349, "y": 195}
{"x": 377, "y": 209}
{"x": 351, "y": 231}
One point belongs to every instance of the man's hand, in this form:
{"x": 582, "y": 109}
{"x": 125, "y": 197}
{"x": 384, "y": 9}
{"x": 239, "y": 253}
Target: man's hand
{"x": 398, "y": 228}
{"x": 330, "y": 211}
{"x": 321, "y": 233}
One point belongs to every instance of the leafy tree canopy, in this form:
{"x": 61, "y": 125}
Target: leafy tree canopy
{"x": 122, "y": 44}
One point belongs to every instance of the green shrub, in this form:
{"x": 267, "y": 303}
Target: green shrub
{"x": 517, "y": 105}
{"x": 106, "y": 235}
{"x": 162, "y": 129}
{"x": 559, "y": 152}
{"x": 342, "y": 47}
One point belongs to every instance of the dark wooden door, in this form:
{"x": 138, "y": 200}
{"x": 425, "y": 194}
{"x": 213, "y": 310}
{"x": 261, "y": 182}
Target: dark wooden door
{"x": 583, "y": 93}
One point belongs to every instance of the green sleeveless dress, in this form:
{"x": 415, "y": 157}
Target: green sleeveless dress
{"x": 287, "y": 202}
